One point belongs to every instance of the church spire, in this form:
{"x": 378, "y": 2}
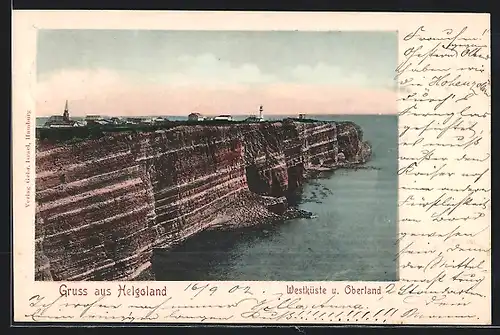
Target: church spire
{"x": 66, "y": 112}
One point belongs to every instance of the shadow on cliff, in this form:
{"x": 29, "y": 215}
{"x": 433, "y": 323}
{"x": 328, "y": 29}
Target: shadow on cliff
{"x": 197, "y": 258}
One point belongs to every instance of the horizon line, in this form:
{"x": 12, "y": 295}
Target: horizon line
{"x": 210, "y": 114}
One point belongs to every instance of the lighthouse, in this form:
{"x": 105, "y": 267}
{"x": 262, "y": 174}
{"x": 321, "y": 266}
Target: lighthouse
{"x": 261, "y": 113}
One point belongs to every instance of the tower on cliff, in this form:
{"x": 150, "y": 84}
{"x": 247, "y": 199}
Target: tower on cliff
{"x": 66, "y": 112}
{"x": 261, "y": 113}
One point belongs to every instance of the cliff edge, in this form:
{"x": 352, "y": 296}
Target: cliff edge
{"x": 104, "y": 203}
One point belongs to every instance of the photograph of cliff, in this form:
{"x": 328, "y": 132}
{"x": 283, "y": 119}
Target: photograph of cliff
{"x": 216, "y": 155}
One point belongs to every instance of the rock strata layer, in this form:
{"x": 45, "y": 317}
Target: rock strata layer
{"x": 104, "y": 204}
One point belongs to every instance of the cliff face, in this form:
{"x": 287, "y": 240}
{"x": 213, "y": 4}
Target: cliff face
{"x": 104, "y": 204}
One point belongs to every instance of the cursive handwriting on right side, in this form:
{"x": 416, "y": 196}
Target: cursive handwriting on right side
{"x": 444, "y": 169}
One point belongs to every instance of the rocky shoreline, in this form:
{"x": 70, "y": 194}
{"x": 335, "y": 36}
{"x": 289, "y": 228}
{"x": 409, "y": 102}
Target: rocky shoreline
{"x": 277, "y": 209}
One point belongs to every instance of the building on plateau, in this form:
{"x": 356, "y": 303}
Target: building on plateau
{"x": 116, "y": 120}
{"x": 62, "y": 121}
{"x": 97, "y": 120}
{"x": 160, "y": 119}
{"x": 134, "y": 120}
{"x": 254, "y": 118}
{"x": 196, "y": 117}
{"x": 224, "y": 117}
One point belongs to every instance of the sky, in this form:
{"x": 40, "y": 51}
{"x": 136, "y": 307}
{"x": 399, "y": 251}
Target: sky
{"x": 145, "y": 72}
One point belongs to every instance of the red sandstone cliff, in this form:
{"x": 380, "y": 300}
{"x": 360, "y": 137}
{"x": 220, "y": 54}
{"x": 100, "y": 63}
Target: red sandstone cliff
{"x": 104, "y": 204}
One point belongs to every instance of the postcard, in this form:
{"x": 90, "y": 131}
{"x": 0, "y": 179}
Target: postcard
{"x": 251, "y": 167}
